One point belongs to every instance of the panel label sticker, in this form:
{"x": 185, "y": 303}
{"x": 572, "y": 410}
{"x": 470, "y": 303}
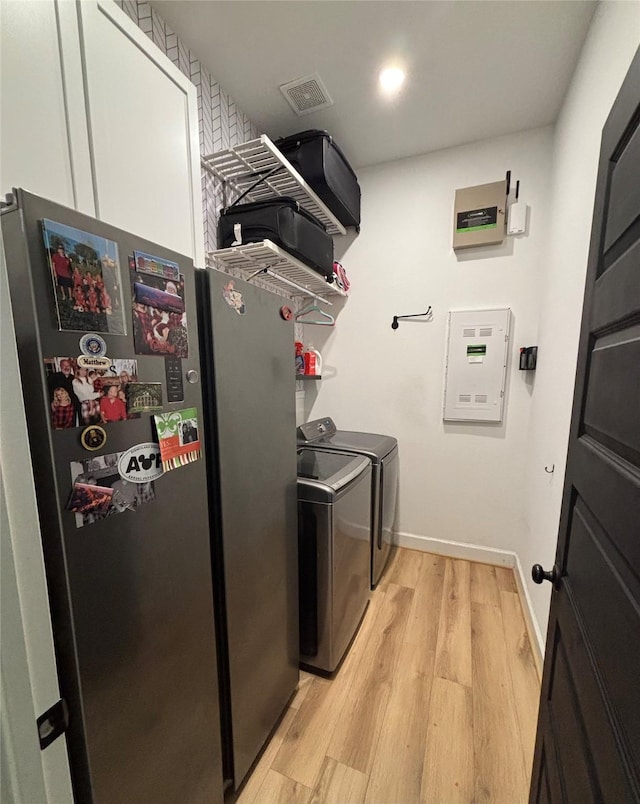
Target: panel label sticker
{"x": 474, "y": 220}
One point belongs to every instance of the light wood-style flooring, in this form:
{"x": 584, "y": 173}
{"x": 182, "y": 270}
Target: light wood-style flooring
{"x": 436, "y": 701}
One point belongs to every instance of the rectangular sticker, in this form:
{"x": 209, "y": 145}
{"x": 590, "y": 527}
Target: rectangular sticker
{"x": 102, "y": 472}
{"x": 87, "y": 283}
{"x": 475, "y": 220}
{"x": 179, "y": 437}
{"x": 144, "y": 397}
{"x": 80, "y": 396}
{"x": 159, "y": 316}
{"x": 148, "y": 264}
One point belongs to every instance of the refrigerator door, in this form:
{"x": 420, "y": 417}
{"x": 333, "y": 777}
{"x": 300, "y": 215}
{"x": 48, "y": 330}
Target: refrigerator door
{"x": 130, "y": 593}
{"x": 249, "y": 353}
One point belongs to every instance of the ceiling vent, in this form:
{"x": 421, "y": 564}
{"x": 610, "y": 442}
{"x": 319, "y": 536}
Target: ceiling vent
{"x": 306, "y": 95}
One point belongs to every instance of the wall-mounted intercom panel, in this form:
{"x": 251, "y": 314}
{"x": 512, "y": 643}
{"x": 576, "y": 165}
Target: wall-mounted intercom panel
{"x": 476, "y": 365}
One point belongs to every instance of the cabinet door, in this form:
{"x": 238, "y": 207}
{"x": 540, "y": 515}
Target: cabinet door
{"x": 44, "y": 145}
{"x": 143, "y": 124}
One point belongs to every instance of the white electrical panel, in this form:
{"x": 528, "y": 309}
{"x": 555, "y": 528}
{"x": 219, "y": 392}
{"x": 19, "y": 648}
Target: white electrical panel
{"x": 476, "y": 365}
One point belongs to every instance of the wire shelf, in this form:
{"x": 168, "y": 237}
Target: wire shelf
{"x": 241, "y": 166}
{"x": 285, "y": 271}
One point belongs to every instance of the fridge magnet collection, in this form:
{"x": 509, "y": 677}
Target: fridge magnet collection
{"x": 179, "y": 437}
{"x": 159, "y": 316}
{"x": 87, "y": 284}
{"x": 97, "y": 478}
{"x": 83, "y": 396}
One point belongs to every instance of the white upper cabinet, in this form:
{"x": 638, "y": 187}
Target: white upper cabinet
{"x": 143, "y": 127}
{"x": 35, "y": 103}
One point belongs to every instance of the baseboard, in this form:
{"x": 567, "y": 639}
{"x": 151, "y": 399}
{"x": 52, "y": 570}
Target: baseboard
{"x": 484, "y": 555}
{"x": 469, "y": 552}
{"x": 535, "y": 635}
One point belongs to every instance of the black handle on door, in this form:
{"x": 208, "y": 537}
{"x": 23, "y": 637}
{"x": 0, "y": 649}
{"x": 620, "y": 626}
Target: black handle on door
{"x": 539, "y": 575}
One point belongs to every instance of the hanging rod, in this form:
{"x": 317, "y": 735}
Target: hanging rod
{"x": 289, "y": 282}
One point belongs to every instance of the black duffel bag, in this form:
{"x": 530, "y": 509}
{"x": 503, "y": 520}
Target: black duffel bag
{"x": 282, "y": 221}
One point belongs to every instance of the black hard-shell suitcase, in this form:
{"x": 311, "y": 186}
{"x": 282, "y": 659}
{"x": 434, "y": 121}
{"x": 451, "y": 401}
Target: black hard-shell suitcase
{"x": 324, "y": 167}
{"x": 282, "y": 221}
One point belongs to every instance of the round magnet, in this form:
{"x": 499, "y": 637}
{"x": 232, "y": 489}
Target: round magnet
{"x": 192, "y": 376}
{"x": 93, "y": 437}
{"x": 286, "y": 313}
{"x": 93, "y": 345}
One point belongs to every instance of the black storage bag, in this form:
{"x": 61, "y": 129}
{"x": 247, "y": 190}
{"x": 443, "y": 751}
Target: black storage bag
{"x": 283, "y": 222}
{"x": 324, "y": 167}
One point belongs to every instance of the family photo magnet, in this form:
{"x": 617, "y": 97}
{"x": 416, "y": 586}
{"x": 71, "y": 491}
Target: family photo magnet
{"x": 93, "y": 438}
{"x": 141, "y": 464}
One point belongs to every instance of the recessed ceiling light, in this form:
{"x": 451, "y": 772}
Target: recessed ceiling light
{"x": 391, "y": 79}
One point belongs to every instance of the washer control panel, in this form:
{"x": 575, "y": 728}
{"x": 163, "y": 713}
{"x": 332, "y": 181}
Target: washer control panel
{"x": 316, "y": 430}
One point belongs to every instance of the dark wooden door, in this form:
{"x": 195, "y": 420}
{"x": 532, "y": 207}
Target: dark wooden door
{"x": 588, "y": 741}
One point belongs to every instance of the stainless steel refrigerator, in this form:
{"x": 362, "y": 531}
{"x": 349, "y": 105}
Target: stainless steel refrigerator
{"x": 249, "y": 390}
{"x": 109, "y": 348}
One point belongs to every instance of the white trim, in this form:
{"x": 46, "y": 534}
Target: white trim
{"x": 484, "y": 555}
{"x": 469, "y": 552}
{"x": 80, "y": 158}
{"x": 535, "y": 635}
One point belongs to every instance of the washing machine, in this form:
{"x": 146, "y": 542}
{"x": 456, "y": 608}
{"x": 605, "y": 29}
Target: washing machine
{"x": 382, "y": 450}
{"x": 334, "y": 524}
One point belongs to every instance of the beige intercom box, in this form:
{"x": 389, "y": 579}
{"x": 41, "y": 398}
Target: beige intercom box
{"x": 479, "y": 215}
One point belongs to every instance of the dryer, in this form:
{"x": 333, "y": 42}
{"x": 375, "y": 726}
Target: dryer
{"x": 382, "y": 450}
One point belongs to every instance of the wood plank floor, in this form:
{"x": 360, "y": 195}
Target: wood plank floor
{"x": 436, "y": 701}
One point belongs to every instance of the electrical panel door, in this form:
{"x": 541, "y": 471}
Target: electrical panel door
{"x": 476, "y": 365}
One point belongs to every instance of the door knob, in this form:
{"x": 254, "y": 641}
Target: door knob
{"x": 539, "y": 575}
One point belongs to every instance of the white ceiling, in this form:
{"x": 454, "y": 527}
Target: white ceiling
{"x": 476, "y": 69}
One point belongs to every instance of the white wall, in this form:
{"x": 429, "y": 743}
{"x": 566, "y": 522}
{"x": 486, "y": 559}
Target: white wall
{"x": 609, "y": 48}
{"x": 458, "y": 482}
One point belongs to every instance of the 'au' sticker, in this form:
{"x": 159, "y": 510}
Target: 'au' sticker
{"x": 141, "y": 463}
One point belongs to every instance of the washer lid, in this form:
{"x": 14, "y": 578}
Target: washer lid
{"x": 331, "y": 471}
{"x": 323, "y": 434}
{"x": 375, "y": 445}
